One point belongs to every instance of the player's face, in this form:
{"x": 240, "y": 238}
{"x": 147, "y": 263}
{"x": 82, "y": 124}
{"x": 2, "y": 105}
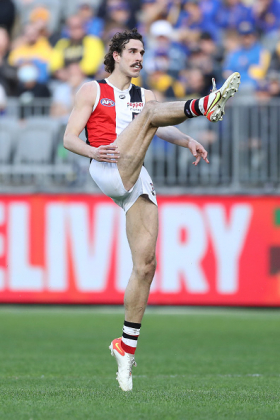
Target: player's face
{"x": 131, "y": 59}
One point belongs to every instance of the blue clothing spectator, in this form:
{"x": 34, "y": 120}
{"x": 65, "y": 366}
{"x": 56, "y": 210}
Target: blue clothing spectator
{"x": 193, "y": 19}
{"x": 176, "y": 58}
{"x": 251, "y": 60}
{"x": 161, "y": 31}
{"x": 94, "y": 27}
{"x": 230, "y": 16}
{"x": 210, "y": 8}
{"x": 92, "y": 24}
{"x": 267, "y": 19}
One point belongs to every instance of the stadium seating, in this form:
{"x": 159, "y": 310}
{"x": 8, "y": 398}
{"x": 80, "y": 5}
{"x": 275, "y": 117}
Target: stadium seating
{"x": 36, "y": 142}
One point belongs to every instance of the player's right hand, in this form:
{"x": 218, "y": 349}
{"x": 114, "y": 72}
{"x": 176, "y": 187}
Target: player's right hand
{"x": 108, "y": 153}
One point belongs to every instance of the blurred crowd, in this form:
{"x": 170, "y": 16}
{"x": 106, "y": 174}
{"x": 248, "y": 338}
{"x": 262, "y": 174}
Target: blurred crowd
{"x": 49, "y": 48}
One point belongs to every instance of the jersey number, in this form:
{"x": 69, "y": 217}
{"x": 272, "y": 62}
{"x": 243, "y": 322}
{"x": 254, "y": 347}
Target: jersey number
{"x": 134, "y": 114}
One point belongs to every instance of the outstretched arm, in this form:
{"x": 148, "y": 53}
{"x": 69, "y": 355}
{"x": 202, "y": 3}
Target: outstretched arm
{"x": 175, "y": 136}
{"x": 80, "y": 114}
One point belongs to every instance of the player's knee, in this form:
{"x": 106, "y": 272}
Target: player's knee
{"x": 145, "y": 270}
{"x": 149, "y": 109}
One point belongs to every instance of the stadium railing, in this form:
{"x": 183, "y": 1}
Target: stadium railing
{"x": 244, "y": 154}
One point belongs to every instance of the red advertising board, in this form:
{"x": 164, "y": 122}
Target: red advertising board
{"x": 73, "y": 249}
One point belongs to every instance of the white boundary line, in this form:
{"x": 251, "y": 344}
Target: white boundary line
{"x": 151, "y": 310}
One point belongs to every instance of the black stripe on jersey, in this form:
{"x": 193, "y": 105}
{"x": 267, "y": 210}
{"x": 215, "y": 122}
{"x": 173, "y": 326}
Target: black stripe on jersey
{"x": 135, "y": 94}
{"x": 103, "y": 81}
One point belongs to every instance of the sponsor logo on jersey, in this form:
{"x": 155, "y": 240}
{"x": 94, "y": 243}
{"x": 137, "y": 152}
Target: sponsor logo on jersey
{"x": 107, "y": 102}
{"x": 122, "y": 96}
{"x": 135, "y": 106}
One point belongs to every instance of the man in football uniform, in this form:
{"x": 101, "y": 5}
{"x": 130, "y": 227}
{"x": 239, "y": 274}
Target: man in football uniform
{"x": 116, "y": 145}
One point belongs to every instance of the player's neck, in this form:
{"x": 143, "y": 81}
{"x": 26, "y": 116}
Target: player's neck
{"x": 119, "y": 80}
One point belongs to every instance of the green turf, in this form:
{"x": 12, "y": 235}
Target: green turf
{"x": 202, "y": 364}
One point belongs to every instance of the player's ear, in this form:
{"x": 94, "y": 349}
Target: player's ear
{"x": 116, "y": 56}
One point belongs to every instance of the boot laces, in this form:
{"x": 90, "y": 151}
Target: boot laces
{"x": 214, "y": 87}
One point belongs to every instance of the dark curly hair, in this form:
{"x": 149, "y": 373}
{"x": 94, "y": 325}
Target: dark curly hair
{"x": 118, "y": 42}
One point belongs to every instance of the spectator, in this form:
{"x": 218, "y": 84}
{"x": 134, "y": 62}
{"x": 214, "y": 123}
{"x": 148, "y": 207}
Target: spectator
{"x": 28, "y": 81}
{"x": 78, "y": 48}
{"x": 251, "y": 60}
{"x": 275, "y": 60}
{"x": 267, "y": 15}
{"x": 64, "y": 93}
{"x": 29, "y": 88}
{"x": 273, "y": 80}
{"x": 267, "y": 21}
{"x": 7, "y": 15}
{"x": 194, "y": 82}
{"x": 160, "y": 81}
{"x": 161, "y": 33}
{"x": 40, "y": 14}
{"x": 43, "y": 18}
{"x": 134, "y": 7}
{"x": 192, "y": 22}
{"x": 151, "y": 11}
{"x": 206, "y": 57}
{"x": 32, "y": 47}
{"x": 212, "y": 57}
{"x": 119, "y": 13}
{"x": 262, "y": 93}
{"x": 231, "y": 13}
{"x": 93, "y": 25}
{"x": 210, "y": 8}
{"x": 8, "y": 73}
{"x": 230, "y": 42}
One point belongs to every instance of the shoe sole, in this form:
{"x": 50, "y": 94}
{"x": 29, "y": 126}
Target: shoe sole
{"x": 228, "y": 90}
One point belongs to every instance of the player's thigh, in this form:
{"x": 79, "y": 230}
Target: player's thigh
{"x": 142, "y": 230}
{"x": 137, "y": 135}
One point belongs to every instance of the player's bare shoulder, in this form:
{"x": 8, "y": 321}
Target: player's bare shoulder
{"x": 149, "y": 95}
{"x": 87, "y": 93}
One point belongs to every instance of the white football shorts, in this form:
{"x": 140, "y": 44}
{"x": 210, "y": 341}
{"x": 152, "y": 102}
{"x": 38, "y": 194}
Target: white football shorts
{"x": 107, "y": 177}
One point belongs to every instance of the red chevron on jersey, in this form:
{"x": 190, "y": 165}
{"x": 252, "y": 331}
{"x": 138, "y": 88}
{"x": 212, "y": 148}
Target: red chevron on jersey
{"x": 101, "y": 125}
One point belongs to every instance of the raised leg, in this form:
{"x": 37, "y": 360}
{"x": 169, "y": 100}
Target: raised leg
{"x": 134, "y": 141}
{"x": 142, "y": 231}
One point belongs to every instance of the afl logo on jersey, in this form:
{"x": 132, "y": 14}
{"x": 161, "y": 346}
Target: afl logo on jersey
{"x": 107, "y": 102}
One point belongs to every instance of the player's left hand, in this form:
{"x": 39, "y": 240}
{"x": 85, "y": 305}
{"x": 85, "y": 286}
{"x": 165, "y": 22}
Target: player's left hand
{"x": 198, "y": 151}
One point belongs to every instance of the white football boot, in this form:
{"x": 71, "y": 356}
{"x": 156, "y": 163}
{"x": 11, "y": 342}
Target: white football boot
{"x": 125, "y": 363}
{"x": 215, "y": 108}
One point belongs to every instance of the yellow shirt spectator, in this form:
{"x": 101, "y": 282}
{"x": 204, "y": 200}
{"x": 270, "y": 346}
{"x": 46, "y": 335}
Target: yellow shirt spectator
{"x": 89, "y": 52}
{"x": 34, "y": 48}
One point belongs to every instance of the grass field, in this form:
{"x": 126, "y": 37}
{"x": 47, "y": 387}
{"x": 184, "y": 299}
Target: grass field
{"x": 192, "y": 364}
